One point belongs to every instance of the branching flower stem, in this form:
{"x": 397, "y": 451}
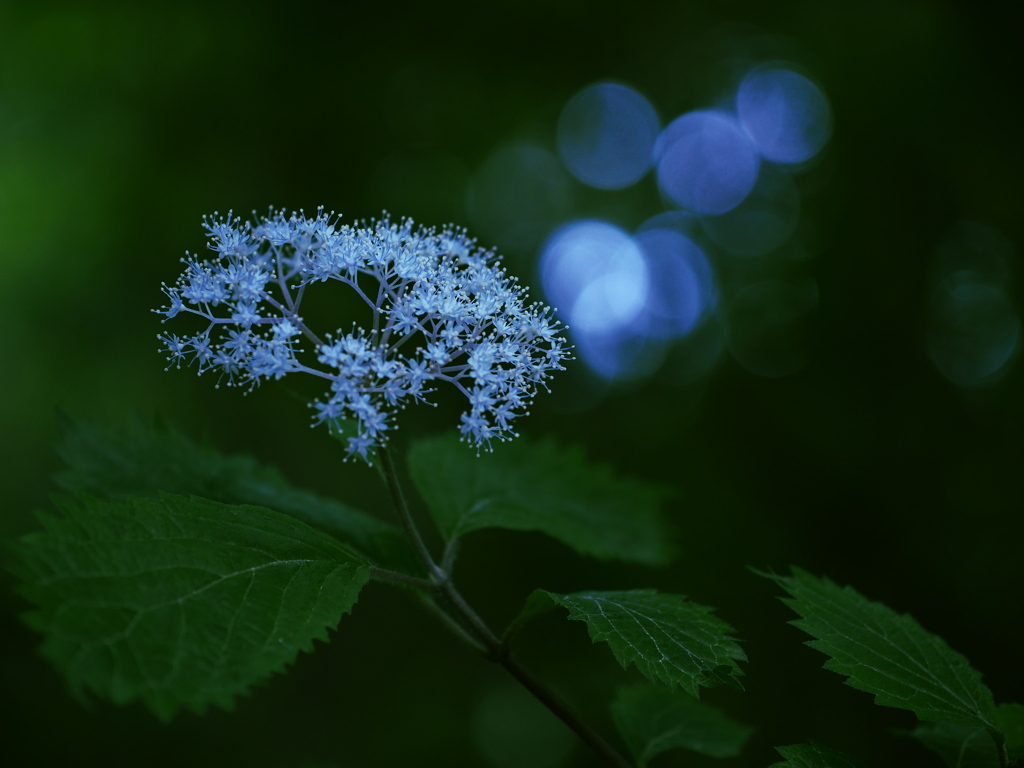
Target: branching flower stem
{"x": 442, "y": 309}
{"x": 479, "y": 634}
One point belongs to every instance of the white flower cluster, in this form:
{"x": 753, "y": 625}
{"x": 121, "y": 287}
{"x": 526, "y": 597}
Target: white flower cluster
{"x": 443, "y": 310}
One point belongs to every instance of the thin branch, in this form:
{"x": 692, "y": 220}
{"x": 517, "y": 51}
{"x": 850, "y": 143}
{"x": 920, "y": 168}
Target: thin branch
{"x": 451, "y": 550}
{"x": 395, "y": 490}
{"x": 565, "y": 714}
{"x": 449, "y": 621}
{"x": 498, "y": 652}
{"x": 480, "y": 629}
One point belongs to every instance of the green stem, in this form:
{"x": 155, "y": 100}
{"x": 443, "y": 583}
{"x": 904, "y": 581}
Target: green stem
{"x": 451, "y": 550}
{"x": 565, "y": 714}
{"x": 395, "y": 489}
{"x": 476, "y": 624}
{"x": 457, "y": 629}
{"x": 476, "y": 630}
{"x": 498, "y": 652}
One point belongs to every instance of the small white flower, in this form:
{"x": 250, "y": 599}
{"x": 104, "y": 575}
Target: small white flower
{"x": 442, "y": 311}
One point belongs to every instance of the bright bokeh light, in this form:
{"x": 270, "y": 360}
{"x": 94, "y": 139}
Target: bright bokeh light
{"x": 786, "y": 114}
{"x": 636, "y": 303}
{"x": 706, "y": 162}
{"x": 626, "y": 298}
{"x": 595, "y": 275}
{"x": 763, "y": 221}
{"x": 681, "y": 288}
{"x": 606, "y": 134}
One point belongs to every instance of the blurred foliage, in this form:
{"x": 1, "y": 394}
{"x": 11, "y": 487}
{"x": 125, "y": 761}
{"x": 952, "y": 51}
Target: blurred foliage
{"x": 122, "y": 124}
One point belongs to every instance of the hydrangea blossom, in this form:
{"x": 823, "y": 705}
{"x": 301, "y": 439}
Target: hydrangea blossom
{"x": 442, "y": 310}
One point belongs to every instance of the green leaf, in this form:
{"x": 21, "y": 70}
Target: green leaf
{"x": 144, "y": 461}
{"x": 670, "y": 639}
{"x": 539, "y": 486}
{"x": 653, "y": 720}
{"x": 180, "y": 601}
{"x": 814, "y": 756}
{"x": 887, "y": 654}
{"x": 959, "y": 745}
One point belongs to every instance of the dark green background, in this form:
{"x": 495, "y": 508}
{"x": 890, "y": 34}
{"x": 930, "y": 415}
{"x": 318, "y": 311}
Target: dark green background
{"x": 122, "y": 123}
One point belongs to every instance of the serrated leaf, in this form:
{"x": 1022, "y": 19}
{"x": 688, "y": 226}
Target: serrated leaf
{"x": 959, "y": 745}
{"x": 653, "y": 720}
{"x": 668, "y": 638}
{"x": 539, "y": 486}
{"x": 180, "y": 601}
{"x": 144, "y": 461}
{"x": 814, "y": 756}
{"x": 887, "y": 654}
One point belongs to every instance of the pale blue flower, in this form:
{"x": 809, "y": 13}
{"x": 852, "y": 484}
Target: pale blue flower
{"x": 442, "y": 310}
